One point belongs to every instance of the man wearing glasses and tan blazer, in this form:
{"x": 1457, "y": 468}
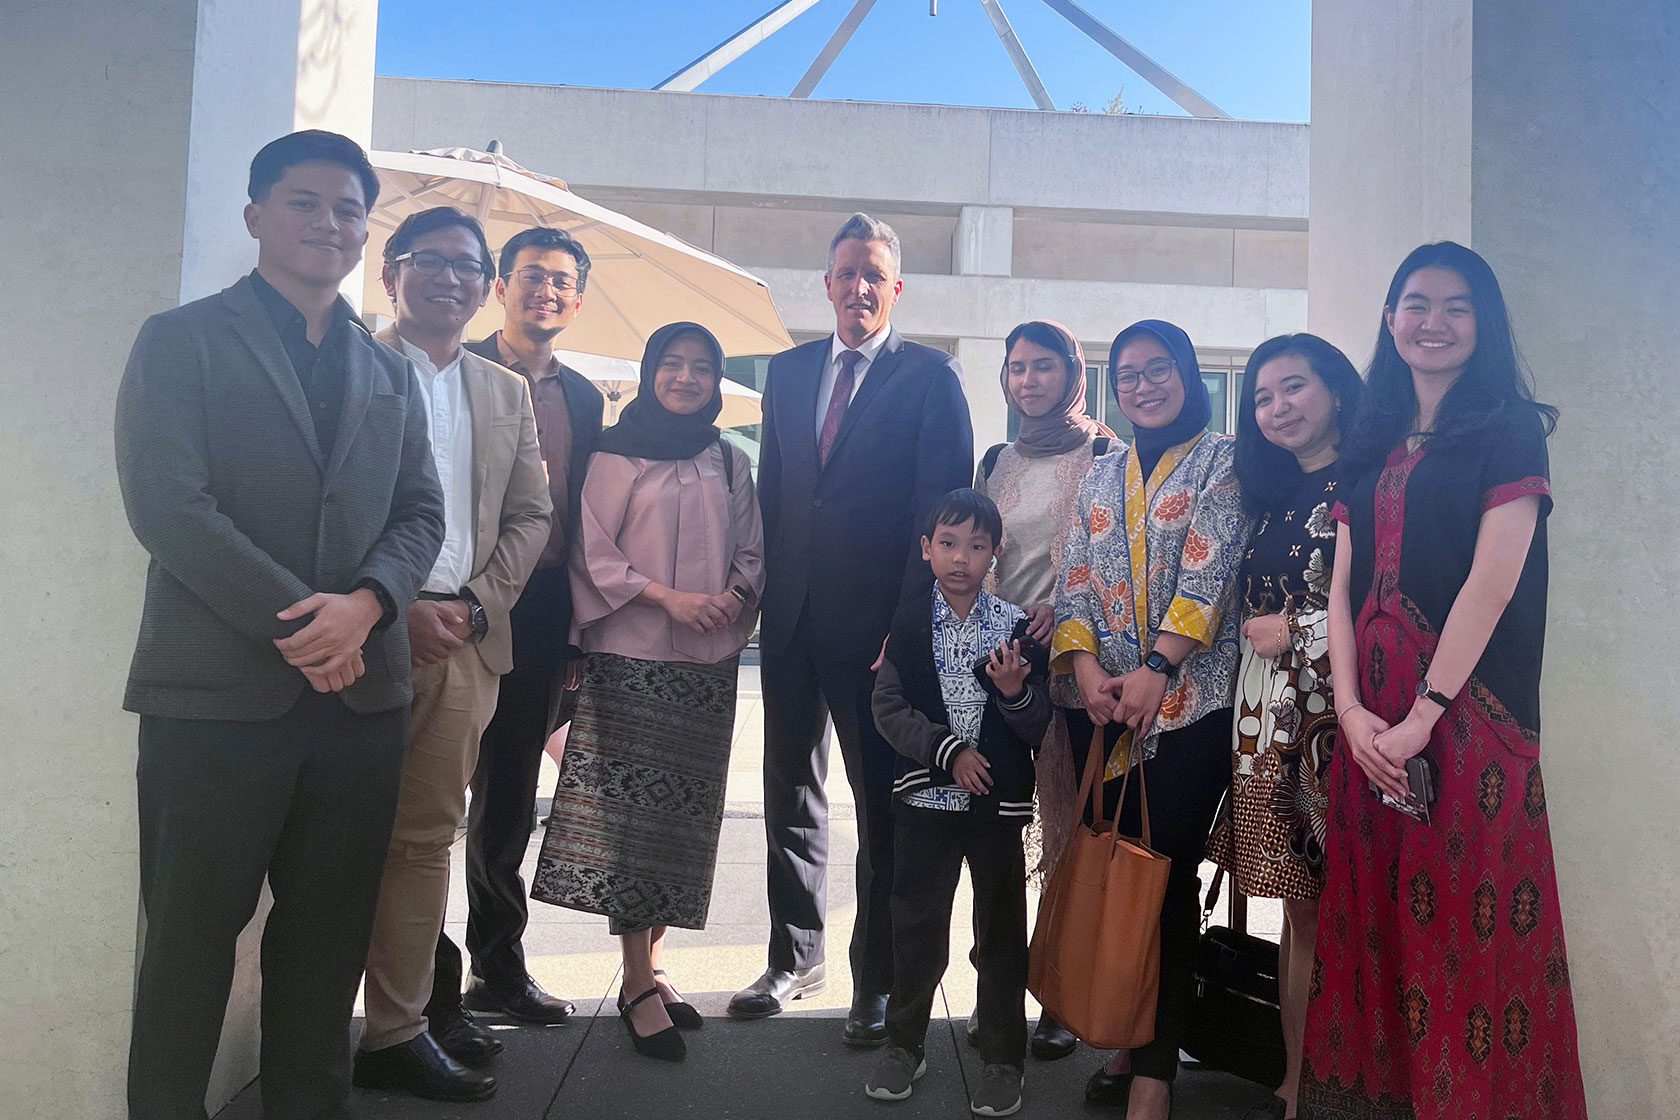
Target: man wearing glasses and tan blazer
{"x": 496, "y": 523}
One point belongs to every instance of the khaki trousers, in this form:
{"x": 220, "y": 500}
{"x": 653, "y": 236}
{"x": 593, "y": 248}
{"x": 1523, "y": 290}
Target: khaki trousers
{"x": 453, "y": 703}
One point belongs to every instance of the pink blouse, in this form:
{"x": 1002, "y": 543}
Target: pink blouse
{"x": 676, "y": 523}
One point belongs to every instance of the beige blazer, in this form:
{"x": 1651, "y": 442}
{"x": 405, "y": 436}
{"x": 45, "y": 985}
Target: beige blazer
{"x": 511, "y": 506}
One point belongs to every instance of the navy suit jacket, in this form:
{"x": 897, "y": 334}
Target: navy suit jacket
{"x": 842, "y": 540}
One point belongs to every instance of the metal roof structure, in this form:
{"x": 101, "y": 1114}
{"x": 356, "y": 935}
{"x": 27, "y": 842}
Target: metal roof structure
{"x": 696, "y": 72}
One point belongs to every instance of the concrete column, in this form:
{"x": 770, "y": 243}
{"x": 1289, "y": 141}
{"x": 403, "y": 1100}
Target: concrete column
{"x": 984, "y": 242}
{"x": 130, "y": 128}
{"x": 1542, "y": 132}
{"x": 981, "y": 359}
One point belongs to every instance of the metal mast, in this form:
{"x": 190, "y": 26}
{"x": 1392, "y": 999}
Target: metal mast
{"x": 1094, "y": 29}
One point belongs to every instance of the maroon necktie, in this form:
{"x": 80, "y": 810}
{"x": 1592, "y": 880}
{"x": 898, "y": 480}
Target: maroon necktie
{"x": 837, "y": 403}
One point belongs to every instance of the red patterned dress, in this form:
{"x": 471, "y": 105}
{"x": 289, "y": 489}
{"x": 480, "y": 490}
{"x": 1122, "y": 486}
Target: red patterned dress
{"x": 1441, "y": 986}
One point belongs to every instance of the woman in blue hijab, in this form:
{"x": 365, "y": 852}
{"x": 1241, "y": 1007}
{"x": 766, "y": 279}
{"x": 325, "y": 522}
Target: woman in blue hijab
{"x": 1145, "y": 623}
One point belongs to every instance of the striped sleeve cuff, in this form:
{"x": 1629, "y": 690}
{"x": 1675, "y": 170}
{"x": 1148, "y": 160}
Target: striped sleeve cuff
{"x": 1018, "y": 703}
{"x": 946, "y": 752}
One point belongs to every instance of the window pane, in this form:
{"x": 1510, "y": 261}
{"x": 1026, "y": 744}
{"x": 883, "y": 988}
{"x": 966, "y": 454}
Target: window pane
{"x": 1215, "y": 383}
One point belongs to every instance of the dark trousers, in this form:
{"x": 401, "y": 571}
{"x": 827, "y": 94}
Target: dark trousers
{"x": 499, "y": 819}
{"x": 934, "y": 844}
{"x": 803, "y": 688}
{"x": 1187, "y": 777}
{"x": 306, "y": 800}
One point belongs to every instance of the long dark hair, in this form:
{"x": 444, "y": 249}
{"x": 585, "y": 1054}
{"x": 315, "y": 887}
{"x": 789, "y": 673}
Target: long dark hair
{"x": 1269, "y": 474}
{"x": 1494, "y": 379}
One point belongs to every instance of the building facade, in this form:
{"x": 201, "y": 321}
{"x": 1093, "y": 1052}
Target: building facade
{"x": 1004, "y": 215}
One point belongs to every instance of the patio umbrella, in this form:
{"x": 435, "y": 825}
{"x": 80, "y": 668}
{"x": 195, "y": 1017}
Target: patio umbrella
{"x": 639, "y": 278}
{"x": 619, "y": 378}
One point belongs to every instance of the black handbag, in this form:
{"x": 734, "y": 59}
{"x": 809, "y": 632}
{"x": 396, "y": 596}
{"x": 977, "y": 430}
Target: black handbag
{"x": 1235, "y": 1024}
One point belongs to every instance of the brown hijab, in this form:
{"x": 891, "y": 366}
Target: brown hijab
{"x": 1067, "y": 425}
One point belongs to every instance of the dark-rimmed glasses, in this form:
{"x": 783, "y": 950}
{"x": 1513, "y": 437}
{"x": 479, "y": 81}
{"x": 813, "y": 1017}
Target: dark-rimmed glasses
{"x": 428, "y": 263}
{"x": 1156, "y": 373}
{"x": 535, "y": 279}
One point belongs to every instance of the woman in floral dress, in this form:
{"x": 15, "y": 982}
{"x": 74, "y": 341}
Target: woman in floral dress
{"x": 1295, "y": 392}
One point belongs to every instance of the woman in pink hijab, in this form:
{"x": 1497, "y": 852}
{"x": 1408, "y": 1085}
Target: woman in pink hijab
{"x": 1033, "y": 481}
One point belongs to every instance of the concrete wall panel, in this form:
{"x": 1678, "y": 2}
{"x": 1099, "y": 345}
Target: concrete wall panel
{"x": 1140, "y": 254}
{"x": 1543, "y": 133}
{"x": 110, "y": 154}
{"x": 1265, "y": 258}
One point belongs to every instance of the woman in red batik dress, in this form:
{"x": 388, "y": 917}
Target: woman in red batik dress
{"x": 1441, "y": 987}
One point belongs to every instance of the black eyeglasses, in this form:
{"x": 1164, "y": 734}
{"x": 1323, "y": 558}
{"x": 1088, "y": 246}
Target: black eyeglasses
{"x": 1156, "y": 373}
{"x": 429, "y": 263}
{"x": 534, "y": 280}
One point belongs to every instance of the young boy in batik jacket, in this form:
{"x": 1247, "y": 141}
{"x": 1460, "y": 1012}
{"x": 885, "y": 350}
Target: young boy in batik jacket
{"x": 962, "y": 696}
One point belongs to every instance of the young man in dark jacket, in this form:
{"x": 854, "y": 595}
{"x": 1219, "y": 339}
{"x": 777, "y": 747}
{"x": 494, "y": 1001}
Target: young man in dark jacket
{"x": 963, "y": 698}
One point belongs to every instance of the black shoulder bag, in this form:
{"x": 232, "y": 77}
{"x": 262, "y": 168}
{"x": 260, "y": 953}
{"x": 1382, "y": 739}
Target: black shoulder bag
{"x": 1235, "y": 1024}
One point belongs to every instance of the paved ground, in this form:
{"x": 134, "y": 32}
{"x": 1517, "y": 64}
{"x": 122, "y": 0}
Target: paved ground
{"x": 793, "y": 1065}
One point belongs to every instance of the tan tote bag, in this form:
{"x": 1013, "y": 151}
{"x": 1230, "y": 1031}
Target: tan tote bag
{"x": 1095, "y": 958}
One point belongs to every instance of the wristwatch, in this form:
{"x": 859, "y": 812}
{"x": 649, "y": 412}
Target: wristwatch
{"x": 1425, "y": 692}
{"x": 1159, "y": 663}
{"x": 475, "y": 614}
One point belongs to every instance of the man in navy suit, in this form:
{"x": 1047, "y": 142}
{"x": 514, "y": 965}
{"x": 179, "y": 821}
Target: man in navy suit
{"x": 863, "y": 433}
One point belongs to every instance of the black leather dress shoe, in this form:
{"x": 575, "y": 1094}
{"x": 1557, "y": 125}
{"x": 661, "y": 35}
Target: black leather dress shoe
{"x": 1051, "y": 1040}
{"x": 775, "y": 989}
{"x": 866, "y": 1022}
{"x": 463, "y": 1039}
{"x": 1108, "y": 1088}
{"x": 420, "y": 1066}
{"x": 527, "y": 1003}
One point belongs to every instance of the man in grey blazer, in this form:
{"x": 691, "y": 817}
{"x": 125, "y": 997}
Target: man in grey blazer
{"x": 273, "y": 461}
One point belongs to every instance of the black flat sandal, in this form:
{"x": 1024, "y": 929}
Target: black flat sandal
{"x": 667, "y": 1045}
{"x": 683, "y": 1015}
{"x": 1106, "y": 1088}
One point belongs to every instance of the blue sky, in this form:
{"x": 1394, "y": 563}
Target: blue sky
{"x": 1249, "y": 58}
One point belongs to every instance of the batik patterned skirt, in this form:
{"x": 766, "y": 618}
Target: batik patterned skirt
{"x": 1441, "y": 989}
{"x": 633, "y": 832}
{"x": 1271, "y": 836}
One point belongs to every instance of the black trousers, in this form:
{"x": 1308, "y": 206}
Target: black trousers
{"x": 934, "y": 844}
{"x": 499, "y": 819}
{"x": 1187, "y": 777}
{"x": 306, "y": 800}
{"x": 802, "y": 689}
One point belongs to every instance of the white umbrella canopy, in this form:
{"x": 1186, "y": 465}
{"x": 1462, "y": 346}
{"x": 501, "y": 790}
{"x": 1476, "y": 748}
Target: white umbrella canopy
{"x": 639, "y": 278}
{"x": 619, "y": 378}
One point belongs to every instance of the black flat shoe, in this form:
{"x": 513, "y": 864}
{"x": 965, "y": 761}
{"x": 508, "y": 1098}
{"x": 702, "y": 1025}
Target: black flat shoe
{"x": 463, "y": 1039}
{"x": 1106, "y": 1088}
{"x": 420, "y": 1066}
{"x": 683, "y": 1016}
{"x": 526, "y": 1002}
{"x": 1051, "y": 1040}
{"x": 667, "y": 1045}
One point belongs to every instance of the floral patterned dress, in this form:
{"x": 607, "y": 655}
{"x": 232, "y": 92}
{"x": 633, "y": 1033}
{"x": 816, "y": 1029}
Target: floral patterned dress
{"x": 1271, "y": 838}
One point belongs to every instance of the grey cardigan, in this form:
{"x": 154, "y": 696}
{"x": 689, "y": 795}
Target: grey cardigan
{"x": 226, "y": 487}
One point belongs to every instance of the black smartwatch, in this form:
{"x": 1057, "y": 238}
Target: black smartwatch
{"x": 1159, "y": 663}
{"x": 1425, "y": 692}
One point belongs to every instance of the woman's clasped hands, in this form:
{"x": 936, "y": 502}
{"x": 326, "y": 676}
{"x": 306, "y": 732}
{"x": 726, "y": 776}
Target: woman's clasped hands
{"x": 702, "y": 613}
{"x": 1133, "y": 699}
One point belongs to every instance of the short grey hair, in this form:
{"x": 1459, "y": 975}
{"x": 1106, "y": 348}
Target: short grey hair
{"x": 864, "y": 228}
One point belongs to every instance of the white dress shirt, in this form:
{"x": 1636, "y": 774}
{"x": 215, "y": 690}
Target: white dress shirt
{"x": 831, "y": 370}
{"x": 449, "y": 424}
